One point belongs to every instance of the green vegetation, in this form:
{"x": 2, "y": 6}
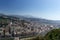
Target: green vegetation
{"x": 38, "y": 38}
{"x": 52, "y": 35}
{"x": 6, "y": 38}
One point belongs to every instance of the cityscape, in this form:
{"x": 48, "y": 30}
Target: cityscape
{"x": 29, "y": 19}
{"x": 16, "y": 28}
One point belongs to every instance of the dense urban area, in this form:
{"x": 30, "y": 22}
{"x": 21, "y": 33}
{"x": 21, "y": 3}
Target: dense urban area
{"x": 16, "y": 28}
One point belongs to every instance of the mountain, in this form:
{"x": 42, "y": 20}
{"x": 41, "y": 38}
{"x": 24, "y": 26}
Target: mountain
{"x": 39, "y": 20}
{"x": 33, "y": 19}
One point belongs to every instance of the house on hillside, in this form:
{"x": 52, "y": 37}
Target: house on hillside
{"x": 1, "y": 31}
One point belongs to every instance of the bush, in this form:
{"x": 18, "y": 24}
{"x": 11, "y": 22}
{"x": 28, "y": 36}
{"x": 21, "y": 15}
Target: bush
{"x": 6, "y": 38}
{"x": 53, "y": 35}
{"x": 37, "y": 38}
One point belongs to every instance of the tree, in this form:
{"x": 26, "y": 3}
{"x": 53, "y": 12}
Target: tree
{"x": 4, "y": 33}
{"x": 53, "y": 35}
{"x": 9, "y": 30}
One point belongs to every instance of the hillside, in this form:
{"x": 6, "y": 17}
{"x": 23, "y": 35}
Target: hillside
{"x": 51, "y": 35}
{"x": 24, "y": 27}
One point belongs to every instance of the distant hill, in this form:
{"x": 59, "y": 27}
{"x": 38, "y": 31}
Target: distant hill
{"x": 39, "y": 20}
{"x": 33, "y": 19}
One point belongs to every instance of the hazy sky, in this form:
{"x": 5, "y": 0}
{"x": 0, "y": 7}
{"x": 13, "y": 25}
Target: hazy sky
{"x": 48, "y": 9}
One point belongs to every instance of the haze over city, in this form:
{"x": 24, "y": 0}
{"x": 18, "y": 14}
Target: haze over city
{"x": 47, "y": 9}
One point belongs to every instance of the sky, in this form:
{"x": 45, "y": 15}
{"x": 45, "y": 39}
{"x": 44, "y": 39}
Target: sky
{"x": 47, "y": 9}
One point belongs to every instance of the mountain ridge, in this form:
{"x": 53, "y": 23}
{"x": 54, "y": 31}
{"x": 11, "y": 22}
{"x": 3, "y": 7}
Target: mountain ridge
{"x": 33, "y": 19}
